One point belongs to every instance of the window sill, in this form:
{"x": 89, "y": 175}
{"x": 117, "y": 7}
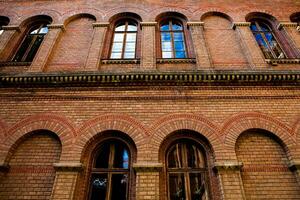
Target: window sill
{"x": 120, "y": 61}
{"x": 175, "y": 60}
{"x": 12, "y": 63}
{"x": 275, "y": 62}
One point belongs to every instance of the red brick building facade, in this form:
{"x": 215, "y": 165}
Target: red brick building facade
{"x": 150, "y": 99}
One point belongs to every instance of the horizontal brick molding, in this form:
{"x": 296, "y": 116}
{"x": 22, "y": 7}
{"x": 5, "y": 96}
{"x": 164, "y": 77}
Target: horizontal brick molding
{"x": 235, "y": 24}
{"x": 17, "y": 28}
{"x": 31, "y": 169}
{"x": 201, "y": 78}
{"x": 120, "y": 61}
{"x": 195, "y": 23}
{"x": 176, "y": 60}
{"x": 265, "y": 168}
{"x": 286, "y": 24}
{"x": 275, "y": 62}
{"x": 56, "y": 26}
{"x": 148, "y": 23}
{"x": 68, "y": 166}
{"x": 147, "y": 167}
{"x": 221, "y": 166}
{"x": 101, "y": 24}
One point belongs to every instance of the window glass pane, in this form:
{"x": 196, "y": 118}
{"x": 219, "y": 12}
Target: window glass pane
{"x": 274, "y": 45}
{"x": 120, "y": 28}
{"x": 197, "y": 186}
{"x": 103, "y": 156}
{"x": 176, "y": 186}
{"x": 264, "y": 27}
{"x": 34, "y": 48}
{"x": 35, "y": 31}
{"x": 19, "y": 55}
{"x": 1, "y": 31}
{"x": 263, "y": 45}
{"x": 117, "y": 47}
{"x": 167, "y": 54}
{"x": 44, "y": 30}
{"x": 115, "y": 55}
{"x": 180, "y": 54}
{"x": 119, "y": 186}
{"x": 164, "y": 27}
{"x": 175, "y": 157}
{"x": 179, "y": 46}
{"x": 176, "y": 26}
{"x": 178, "y": 36}
{"x": 195, "y": 157}
{"x": 119, "y": 37}
{"x": 131, "y": 37}
{"x": 121, "y": 157}
{"x": 129, "y": 55}
{"x": 131, "y": 27}
{"x": 130, "y": 46}
{"x": 99, "y": 186}
{"x": 165, "y": 36}
{"x": 253, "y": 27}
{"x": 166, "y": 46}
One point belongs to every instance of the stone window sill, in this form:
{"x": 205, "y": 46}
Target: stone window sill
{"x": 12, "y": 63}
{"x": 275, "y": 62}
{"x": 175, "y": 60}
{"x": 120, "y": 61}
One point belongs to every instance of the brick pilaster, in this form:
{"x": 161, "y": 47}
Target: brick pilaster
{"x": 93, "y": 60}
{"x": 202, "y": 55}
{"x": 249, "y": 45}
{"x": 230, "y": 180}
{"x": 6, "y": 40}
{"x": 41, "y": 58}
{"x": 148, "y": 50}
{"x": 65, "y": 180}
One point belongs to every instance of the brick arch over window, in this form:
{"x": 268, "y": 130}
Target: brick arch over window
{"x": 31, "y": 172}
{"x": 168, "y": 124}
{"x": 280, "y": 37}
{"x": 78, "y": 35}
{"x": 223, "y": 42}
{"x": 133, "y": 128}
{"x": 236, "y": 125}
{"x": 161, "y": 12}
{"x": 90, "y": 152}
{"x": 59, "y": 125}
{"x": 265, "y": 161}
{"x": 142, "y": 13}
{"x": 70, "y": 15}
{"x": 13, "y": 16}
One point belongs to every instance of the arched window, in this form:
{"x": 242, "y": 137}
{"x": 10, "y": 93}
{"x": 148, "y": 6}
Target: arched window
{"x": 124, "y": 41}
{"x": 266, "y": 40}
{"x": 186, "y": 171}
{"x": 172, "y": 39}
{"x": 3, "y": 22}
{"x": 31, "y": 43}
{"x": 111, "y": 171}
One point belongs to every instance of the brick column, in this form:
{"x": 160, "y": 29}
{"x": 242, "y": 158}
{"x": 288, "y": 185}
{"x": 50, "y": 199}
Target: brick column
{"x": 230, "y": 180}
{"x": 41, "y": 58}
{"x": 249, "y": 45}
{"x": 94, "y": 56}
{"x": 293, "y": 33}
{"x": 148, "y": 46}
{"x": 201, "y": 52}
{"x": 147, "y": 180}
{"x": 65, "y": 180}
{"x": 6, "y": 39}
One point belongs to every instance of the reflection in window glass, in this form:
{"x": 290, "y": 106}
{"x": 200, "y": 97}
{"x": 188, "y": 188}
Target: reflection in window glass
{"x": 1, "y": 31}
{"x": 172, "y": 40}
{"x": 266, "y": 40}
{"x": 31, "y": 44}
{"x": 124, "y": 41}
{"x": 186, "y": 172}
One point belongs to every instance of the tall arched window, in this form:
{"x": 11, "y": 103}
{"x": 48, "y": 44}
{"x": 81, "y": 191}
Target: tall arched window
{"x": 31, "y": 43}
{"x": 110, "y": 171}
{"x": 186, "y": 172}
{"x": 266, "y": 40}
{"x": 172, "y": 39}
{"x": 124, "y": 42}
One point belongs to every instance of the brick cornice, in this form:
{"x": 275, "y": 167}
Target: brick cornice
{"x": 148, "y": 23}
{"x": 12, "y": 27}
{"x": 195, "y": 23}
{"x": 101, "y": 24}
{"x": 286, "y": 24}
{"x": 68, "y": 166}
{"x": 56, "y": 26}
{"x": 236, "y": 78}
{"x": 223, "y": 166}
{"x": 245, "y": 24}
{"x": 147, "y": 167}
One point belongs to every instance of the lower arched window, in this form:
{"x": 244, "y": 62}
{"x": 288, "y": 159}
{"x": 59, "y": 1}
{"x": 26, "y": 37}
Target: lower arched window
{"x": 110, "y": 171}
{"x": 186, "y": 172}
